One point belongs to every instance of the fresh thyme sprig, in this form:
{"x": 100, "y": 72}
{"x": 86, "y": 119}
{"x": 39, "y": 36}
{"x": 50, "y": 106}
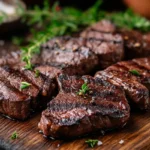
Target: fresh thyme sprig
{"x": 128, "y": 19}
{"x": 56, "y": 22}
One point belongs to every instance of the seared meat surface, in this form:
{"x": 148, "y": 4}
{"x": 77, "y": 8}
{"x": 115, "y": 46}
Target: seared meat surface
{"x": 19, "y": 103}
{"x": 136, "y": 44}
{"x": 70, "y": 114}
{"x": 107, "y": 45}
{"x": 69, "y": 55}
{"x": 134, "y": 77}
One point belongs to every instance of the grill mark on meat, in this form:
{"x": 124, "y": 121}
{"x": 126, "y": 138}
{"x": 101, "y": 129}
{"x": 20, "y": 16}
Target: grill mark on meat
{"x": 15, "y": 78}
{"x": 135, "y": 91}
{"x": 13, "y": 103}
{"x": 68, "y": 112}
{"x": 69, "y": 55}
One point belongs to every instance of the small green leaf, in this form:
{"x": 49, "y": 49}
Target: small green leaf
{"x": 14, "y": 135}
{"x": 37, "y": 73}
{"x": 134, "y": 72}
{"x": 24, "y": 85}
{"x": 91, "y": 143}
{"x": 84, "y": 89}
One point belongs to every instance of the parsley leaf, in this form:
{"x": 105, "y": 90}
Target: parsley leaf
{"x": 91, "y": 143}
{"x": 134, "y": 72}
{"x": 14, "y": 135}
{"x": 24, "y": 85}
{"x": 84, "y": 89}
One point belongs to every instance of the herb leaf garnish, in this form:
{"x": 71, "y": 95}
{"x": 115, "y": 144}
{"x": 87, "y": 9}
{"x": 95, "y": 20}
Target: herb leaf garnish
{"x": 84, "y": 89}
{"x": 56, "y": 21}
{"x": 134, "y": 72}
{"x": 91, "y": 143}
{"x": 14, "y": 135}
{"x": 24, "y": 85}
{"x": 37, "y": 73}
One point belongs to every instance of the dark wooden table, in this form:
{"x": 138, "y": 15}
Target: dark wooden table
{"x": 136, "y": 135}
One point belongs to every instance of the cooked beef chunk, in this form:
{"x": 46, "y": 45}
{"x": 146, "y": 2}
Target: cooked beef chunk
{"x": 107, "y": 45}
{"x": 69, "y": 55}
{"x": 71, "y": 114}
{"x": 18, "y": 103}
{"x": 136, "y": 44}
{"x": 103, "y": 31}
{"x": 134, "y": 77}
{"x": 107, "y": 53}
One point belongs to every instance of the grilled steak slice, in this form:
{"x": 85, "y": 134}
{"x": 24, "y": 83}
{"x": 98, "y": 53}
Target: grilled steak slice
{"x": 13, "y": 103}
{"x": 28, "y": 99}
{"x": 135, "y": 91}
{"x": 109, "y": 46}
{"x": 69, "y": 55}
{"x": 73, "y": 113}
{"x": 107, "y": 52}
{"x": 136, "y": 44}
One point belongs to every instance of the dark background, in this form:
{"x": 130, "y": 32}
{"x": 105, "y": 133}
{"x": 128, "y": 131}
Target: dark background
{"x": 107, "y": 4}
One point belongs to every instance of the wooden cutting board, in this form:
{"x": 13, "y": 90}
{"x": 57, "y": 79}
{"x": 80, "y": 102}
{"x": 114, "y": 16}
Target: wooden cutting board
{"x": 136, "y": 135}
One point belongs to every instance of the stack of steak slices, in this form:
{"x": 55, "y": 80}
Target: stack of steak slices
{"x": 76, "y": 111}
{"x": 134, "y": 77}
{"x": 18, "y": 101}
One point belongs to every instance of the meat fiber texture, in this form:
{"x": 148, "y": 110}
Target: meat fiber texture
{"x": 134, "y": 77}
{"x": 19, "y": 103}
{"x": 69, "y": 114}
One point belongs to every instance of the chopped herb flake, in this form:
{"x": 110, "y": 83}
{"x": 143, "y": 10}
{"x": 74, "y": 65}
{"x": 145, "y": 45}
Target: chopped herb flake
{"x": 37, "y": 73}
{"x": 134, "y": 72}
{"x": 91, "y": 143}
{"x": 84, "y": 89}
{"x": 14, "y": 136}
{"x": 24, "y": 85}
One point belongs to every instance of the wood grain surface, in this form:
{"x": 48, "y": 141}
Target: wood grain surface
{"x": 136, "y": 136}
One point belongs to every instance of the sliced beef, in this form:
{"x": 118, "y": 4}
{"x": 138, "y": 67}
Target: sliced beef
{"x": 136, "y": 44}
{"x": 104, "y": 53}
{"x": 23, "y": 101}
{"x": 69, "y": 55}
{"x": 109, "y": 46}
{"x": 71, "y": 114}
{"x": 134, "y": 78}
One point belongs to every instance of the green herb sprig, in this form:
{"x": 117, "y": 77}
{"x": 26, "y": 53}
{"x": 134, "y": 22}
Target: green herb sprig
{"x": 129, "y": 20}
{"x": 24, "y": 85}
{"x": 55, "y": 21}
{"x": 84, "y": 89}
{"x": 37, "y": 73}
{"x": 91, "y": 143}
{"x": 14, "y": 136}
